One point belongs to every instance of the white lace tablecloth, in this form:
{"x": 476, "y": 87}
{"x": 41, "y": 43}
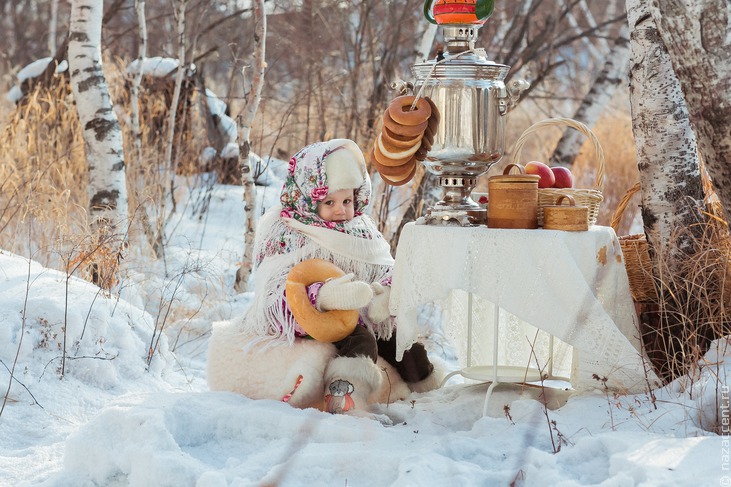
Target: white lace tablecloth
{"x": 572, "y": 285}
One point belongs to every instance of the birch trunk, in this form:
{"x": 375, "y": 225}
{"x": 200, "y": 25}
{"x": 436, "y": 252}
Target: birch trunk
{"x": 423, "y": 47}
{"x": 698, "y": 38}
{"x": 595, "y": 102}
{"x": 101, "y": 131}
{"x": 172, "y": 116}
{"x": 52, "y": 27}
{"x": 137, "y": 158}
{"x": 246, "y": 120}
{"x": 137, "y": 81}
{"x": 672, "y": 192}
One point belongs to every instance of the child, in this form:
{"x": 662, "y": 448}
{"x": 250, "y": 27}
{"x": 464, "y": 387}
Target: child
{"x": 322, "y": 216}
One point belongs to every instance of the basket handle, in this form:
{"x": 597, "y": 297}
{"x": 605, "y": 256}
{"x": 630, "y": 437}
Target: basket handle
{"x": 617, "y": 216}
{"x": 598, "y": 151}
{"x": 509, "y": 167}
{"x": 571, "y": 200}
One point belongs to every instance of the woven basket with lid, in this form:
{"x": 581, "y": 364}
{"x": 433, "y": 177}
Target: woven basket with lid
{"x": 513, "y": 199}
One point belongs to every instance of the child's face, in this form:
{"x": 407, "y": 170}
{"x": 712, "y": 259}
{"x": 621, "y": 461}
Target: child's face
{"x": 337, "y": 206}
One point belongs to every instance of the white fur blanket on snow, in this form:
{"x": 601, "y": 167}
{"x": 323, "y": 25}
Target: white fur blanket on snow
{"x": 266, "y": 369}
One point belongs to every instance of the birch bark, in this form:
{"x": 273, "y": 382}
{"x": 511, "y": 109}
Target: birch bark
{"x": 245, "y": 122}
{"x": 172, "y": 115}
{"x": 672, "y": 193}
{"x": 101, "y": 131}
{"x": 697, "y": 34}
{"x": 52, "y": 27}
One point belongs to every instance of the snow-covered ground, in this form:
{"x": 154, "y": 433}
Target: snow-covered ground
{"x": 104, "y": 417}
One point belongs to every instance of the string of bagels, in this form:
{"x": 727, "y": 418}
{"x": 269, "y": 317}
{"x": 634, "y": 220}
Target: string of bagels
{"x": 407, "y": 134}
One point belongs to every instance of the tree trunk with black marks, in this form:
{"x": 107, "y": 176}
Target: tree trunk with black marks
{"x": 672, "y": 195}
{"x": 698, "y": 39}
{"x": 102, "y": 133}
{"x": 245, "y": 122}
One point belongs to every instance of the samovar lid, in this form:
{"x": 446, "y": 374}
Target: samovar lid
{"x": 471, "y": 65}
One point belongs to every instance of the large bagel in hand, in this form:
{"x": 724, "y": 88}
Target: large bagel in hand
{"x": 325, "y": 326}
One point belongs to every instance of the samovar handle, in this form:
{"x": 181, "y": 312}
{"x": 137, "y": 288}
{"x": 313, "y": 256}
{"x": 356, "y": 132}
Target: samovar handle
{"x": 514, "y": 88}
{"x": 402, "y": 87}
{"x": 427, "y": 11}
{"x": 484, "y": 9}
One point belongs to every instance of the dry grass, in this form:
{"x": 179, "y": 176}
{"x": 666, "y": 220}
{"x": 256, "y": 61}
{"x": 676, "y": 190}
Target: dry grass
{"x": 43, "y": 193}
{"x": 694, "y": 304}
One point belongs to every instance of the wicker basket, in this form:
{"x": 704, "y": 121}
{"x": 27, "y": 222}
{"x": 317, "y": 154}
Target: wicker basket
{"x": 636, "y": 255}
{"x": 591, "y": 198}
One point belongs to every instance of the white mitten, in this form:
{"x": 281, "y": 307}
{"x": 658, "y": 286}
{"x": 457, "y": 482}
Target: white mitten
{"x": 343, "y": 293}
{"x": 378, "y": 309}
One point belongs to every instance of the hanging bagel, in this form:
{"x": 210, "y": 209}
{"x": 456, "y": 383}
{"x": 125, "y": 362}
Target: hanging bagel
{"x": 401, "y": 180}
{"x": 403, "y": 130}
{"x": 401, "y": 112}
{"x": 324, "y": 326}
{"x": 395, "y": 153}
{"x": 406, "y": 137}
{"x": 392, "y": 171}
{"x": 387, "y": 161}
{"x": 397, "y": 140}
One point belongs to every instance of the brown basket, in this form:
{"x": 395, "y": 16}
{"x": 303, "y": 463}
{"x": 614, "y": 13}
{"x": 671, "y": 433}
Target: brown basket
{"x": 591, "y": 198}
{"x": 570, "y": 218}
{"x": 636, "y": 255}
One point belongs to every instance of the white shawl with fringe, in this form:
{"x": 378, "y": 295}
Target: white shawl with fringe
{"x": 368, "y": 258}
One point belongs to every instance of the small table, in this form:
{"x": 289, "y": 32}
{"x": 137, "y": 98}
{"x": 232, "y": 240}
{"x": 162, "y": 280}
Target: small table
{"x": 570, "y": 285}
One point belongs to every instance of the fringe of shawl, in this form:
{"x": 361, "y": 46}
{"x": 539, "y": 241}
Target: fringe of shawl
{"x": 268, "y": 316}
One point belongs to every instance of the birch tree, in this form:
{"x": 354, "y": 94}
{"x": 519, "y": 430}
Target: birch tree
{"x": 245, "y": 121}
{"x": 697, "y": 35}
{"x": 101, "y": 131}
{"x": 672, "y": 193}
{"x": 137, "y": 81}
{"x": 153, "y": 237}
{"x": 172, "y": 115}
{"x": 594, "y": 103}
{"x": 52, "y": 25}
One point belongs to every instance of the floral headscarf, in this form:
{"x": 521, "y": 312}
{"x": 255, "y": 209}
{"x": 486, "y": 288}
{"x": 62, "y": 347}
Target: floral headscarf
{"x": 293, "y": 232}
{"x": 307, "y": 184}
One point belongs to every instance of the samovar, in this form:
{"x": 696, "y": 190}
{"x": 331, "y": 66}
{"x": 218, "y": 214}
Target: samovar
{"x": 470, "y": 92}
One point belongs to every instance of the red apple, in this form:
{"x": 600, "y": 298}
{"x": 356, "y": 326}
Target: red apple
{"x": 564, "y": 178}
{"x": 537, "y": 167}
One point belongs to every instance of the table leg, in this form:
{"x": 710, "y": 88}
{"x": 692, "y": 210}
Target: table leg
{"x": 487, "y": 398}
{"x": 469, "y": 329}
{"x": 495, "y": 336}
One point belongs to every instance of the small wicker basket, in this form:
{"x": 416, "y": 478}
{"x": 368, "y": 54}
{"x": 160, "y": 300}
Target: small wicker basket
{"x": 570, "y": 218}
{"x": 591, "y": 198}
{"x": 636, "y": 253}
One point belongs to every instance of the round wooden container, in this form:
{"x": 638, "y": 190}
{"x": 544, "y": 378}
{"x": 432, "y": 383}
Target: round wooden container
{"x": 513, "y": 199}
{"x": 561, "y": 217}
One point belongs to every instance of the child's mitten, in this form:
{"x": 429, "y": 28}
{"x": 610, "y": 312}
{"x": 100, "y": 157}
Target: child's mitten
{"x": 343, "y": 293}
{"x": 378, "y": 309}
